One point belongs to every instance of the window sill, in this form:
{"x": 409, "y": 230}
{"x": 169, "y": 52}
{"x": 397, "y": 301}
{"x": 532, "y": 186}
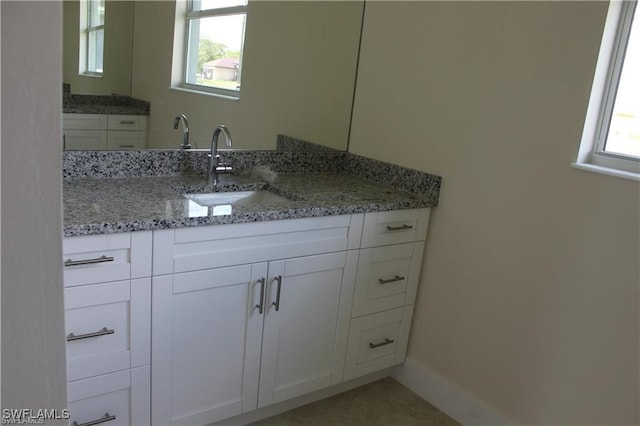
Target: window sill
{"x": 198, "y": 92}
{"x": 607, "y": 171}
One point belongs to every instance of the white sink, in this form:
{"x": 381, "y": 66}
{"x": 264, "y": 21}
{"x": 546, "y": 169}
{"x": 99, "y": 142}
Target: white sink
{"x": 235, "y": 198}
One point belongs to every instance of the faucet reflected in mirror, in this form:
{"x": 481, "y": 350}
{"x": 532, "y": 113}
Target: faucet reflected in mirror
{"x": 185, "y": 130}
{"x": 215, "y": 166}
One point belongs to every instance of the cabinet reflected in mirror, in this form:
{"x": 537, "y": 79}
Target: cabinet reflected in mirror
{"x": 298, "y": 71}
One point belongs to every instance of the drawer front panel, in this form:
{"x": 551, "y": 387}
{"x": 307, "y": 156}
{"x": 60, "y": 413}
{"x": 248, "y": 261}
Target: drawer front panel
{"x": 377, "y": 341}
{"x": 97, "y": 322}
{"x": 92, "y": 259}
{"x": 84, "y": 139}
{"x": 387, "y": 278}
{"x": 395, "y": 227}
{"x": 127, "y": 122}
{"x": 101, "y": 398}
{"x": 120, "y": 140}
{"x": 84, "y": 121}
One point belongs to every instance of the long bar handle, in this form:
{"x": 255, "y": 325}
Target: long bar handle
{"x": 399, "y": 228}
{"x": 100, "y": 259}
{"x": 127, "y": 122}
{"x": 71, "y": 337}
{"x": 377, "y": 345}
{"x": 278, "y": 279}
{"x": 106, "y": 418}
{"x": 260, "y": 305}
{"x": 390, "y": 280}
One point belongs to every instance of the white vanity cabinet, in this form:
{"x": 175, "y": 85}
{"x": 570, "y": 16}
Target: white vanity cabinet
{"x": 104, "y": 131}
{"x": 230, "y": 339}
{"x": 386, "y": 285}
{"x": 235, "y": 317}
{"x": 107, "y": 321}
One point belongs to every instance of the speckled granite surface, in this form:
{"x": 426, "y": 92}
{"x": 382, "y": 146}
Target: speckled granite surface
{"x": 121, "y": 191}
{"x": 102, "y": 206}
{"x": 287, "y": 143}
{"x": 95, "y": 104}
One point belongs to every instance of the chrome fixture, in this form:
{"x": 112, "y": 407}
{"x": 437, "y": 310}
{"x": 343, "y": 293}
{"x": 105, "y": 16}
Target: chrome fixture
{"x": 185, "y": 130}
{"x": 215, "y": 166}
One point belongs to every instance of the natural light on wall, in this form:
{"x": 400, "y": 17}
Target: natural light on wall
{"x": 611, "y": 138}
{"x": 215, "y": 36}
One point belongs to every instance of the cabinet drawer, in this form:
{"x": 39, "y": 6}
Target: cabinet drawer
{"x": 107, "y": 327}
{"x": 121, "y": 398}
{"x": 127, "y": 122}
{"x": 84, "y": 121}
{"x": 387, "y": 277}
{"x": 101, "y": 258}
{"x": 85, "y": 139}
{"x": 394, "y": 227}
{"x": 377, "y": 341}
{"x": 191, "y": 249}
{"x": 123, "y": 140}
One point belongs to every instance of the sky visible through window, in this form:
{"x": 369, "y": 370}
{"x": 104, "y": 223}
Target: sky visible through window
{"x": 624, "y": 130}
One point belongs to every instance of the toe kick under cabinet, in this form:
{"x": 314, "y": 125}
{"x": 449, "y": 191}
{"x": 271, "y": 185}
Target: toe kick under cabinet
{"x": 235, "y": 317}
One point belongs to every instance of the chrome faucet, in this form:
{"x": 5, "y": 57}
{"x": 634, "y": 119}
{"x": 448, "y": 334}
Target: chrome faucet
{"x": 215, "y": 166}
{"x": 185, "y": 130}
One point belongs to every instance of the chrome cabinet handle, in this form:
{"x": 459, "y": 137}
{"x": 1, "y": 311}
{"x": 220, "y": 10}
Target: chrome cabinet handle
{"x": 71, "y": 337}
{"x": 127, "y": 122}
{"x": 390, "y": 280}
{"x": 277, "y": 302}
{"x": 377, "y": 345}
{"x": 260, "y": 305}
{"x": 100, "y": 259}
{"x": 126, "y": 146}
{"x": 399, "y": 228}
{"x": 106, "y": 418}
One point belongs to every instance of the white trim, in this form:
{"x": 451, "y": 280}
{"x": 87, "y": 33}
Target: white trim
{"x": 606, "y": 171}
{"x": 591, "y": 156}
{"x": 446, "y": 396}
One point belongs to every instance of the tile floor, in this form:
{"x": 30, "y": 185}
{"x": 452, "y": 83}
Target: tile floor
{"x": 382, "y": 403}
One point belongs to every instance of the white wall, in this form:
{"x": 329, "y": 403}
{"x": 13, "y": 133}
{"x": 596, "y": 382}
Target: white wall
{"x": 33, "y": 343}
{"x": 118, "y": 50}
{"x": 292, "y": 82}
{"x": 529, "y": 291}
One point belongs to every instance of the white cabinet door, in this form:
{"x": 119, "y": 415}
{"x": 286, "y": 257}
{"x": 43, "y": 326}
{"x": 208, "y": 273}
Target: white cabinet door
{"x": 206, "y": 343}
{"x": 306, "y": 325}
{"x": 85, "y": 139}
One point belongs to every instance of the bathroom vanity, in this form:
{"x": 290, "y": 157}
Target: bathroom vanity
{"x": 181, "y": 316}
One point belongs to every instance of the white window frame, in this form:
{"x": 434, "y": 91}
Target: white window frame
{"x": 85, "y": 31}
{"x": 192, "y": 15}
{"x": 592, "y": 155}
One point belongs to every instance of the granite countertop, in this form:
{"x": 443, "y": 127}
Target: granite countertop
{"x": 104, "y": 109}
{"x": 103, "y": 206}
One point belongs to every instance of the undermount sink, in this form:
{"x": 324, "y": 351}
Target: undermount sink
{"x": 235, "y": 198}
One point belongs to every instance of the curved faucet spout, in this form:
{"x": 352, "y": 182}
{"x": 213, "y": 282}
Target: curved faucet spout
{"x": 185, "y": 130}
{"x": 215, "y": 165}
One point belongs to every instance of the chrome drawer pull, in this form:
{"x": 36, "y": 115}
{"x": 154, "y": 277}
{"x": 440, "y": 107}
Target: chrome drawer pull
{"x": 277, "y": 302}
{"x": 390, "y": 280}
{"x": 260, "y": 305}
{"x": 377, "y": 345}
{"x": 100, "y": 259}
{"x": 71, "y": 337}
{"x": 128, "y": 122}
{"x": 106, "y": 418}
{"x": 399, "y": 228}
{"x": 126, "y": 146}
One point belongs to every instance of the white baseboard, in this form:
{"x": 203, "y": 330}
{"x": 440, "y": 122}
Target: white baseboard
{"x": 446, "y": 396}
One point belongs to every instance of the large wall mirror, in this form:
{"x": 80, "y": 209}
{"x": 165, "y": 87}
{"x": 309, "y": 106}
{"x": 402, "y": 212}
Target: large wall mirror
{"x": 298, "y": 71}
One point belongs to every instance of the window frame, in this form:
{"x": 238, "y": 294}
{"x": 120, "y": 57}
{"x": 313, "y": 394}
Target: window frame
{"x": 86, "y": 30}
{"x": 192, "y": 15}
{"x": 592, "y": 154}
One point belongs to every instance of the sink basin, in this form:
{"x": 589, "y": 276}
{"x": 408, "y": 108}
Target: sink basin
{"x": 234, "y": 198}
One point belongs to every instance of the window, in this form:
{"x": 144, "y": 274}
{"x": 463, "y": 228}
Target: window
{"x": 214, "y": 38}
{"x": 92, "y": 14}
{"x": 611, "y": 138}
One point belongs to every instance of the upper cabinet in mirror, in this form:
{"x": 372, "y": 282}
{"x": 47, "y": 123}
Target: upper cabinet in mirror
{"x": 298, "y": 71}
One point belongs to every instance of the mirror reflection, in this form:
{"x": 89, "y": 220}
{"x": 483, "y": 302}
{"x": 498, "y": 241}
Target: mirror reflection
{"x": 294, "y": 75}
